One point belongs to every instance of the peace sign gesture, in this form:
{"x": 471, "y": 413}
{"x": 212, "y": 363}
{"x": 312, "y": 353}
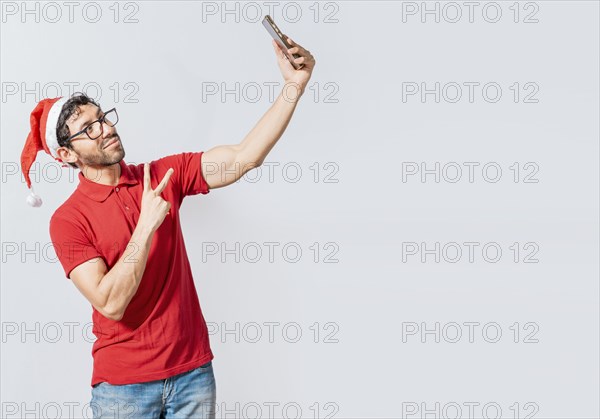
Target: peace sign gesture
{"x": 154, "y": 208}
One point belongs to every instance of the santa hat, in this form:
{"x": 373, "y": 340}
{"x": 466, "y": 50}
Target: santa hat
{"x": 43, "y": 120}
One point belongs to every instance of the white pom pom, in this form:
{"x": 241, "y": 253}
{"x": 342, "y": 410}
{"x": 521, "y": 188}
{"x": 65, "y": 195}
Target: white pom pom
{"x": 34, "y": 200}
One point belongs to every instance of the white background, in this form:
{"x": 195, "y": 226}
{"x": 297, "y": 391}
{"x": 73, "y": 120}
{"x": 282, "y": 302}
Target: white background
{"x": 367, "y": 53}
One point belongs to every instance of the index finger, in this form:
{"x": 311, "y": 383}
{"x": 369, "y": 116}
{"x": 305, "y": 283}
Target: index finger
{"x": 163, "y": 183}
{"x": 296, "y": 48}
{"x": 293, "y": 43}
{"x": 146, "y": 176}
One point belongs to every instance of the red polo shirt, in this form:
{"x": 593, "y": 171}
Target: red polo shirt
{"x": 162, "y": 332}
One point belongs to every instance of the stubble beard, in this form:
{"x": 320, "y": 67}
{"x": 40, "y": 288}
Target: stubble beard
{"x": 106, "y": 157}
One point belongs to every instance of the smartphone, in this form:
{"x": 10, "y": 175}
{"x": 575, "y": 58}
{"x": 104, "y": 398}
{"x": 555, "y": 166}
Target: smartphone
{"x": 272, "y": 28}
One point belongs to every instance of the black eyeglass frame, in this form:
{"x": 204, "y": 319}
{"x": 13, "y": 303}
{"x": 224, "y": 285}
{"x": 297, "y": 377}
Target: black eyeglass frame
{"x": 101, "y": 119}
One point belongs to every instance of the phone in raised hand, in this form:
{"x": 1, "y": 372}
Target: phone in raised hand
{"x": 272, "y": 28}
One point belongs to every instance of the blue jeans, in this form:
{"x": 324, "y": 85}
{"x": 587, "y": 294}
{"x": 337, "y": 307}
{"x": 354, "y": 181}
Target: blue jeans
{"x": 191, "y": 394}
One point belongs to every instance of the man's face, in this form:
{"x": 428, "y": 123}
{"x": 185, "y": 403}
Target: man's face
{"x": 94, "y": 152}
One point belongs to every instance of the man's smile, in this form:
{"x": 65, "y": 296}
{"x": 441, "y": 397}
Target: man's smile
{"x": 112, "y": 142}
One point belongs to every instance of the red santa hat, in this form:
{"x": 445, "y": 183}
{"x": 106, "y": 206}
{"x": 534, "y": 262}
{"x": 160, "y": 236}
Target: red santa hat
{"x": 43, "y": 120}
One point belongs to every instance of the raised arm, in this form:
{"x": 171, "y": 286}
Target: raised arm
{"x": 225, "y": 164}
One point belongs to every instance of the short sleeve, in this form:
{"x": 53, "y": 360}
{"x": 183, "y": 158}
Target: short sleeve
{"x": 188, "y": 173}
{"x": 71, "y": 244}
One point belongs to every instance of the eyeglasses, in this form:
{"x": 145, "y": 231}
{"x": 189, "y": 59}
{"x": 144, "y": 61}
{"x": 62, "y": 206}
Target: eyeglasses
{"x": 95, "y": 129}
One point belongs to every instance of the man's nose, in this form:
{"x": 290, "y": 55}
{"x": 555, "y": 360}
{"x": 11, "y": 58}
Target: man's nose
{"x": 107, "y": 130}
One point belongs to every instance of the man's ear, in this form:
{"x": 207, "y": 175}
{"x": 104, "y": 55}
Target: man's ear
{"x": 66, "y": 155}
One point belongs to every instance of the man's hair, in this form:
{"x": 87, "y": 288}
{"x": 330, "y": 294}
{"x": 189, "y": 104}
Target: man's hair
{"x": 70, "y": 107}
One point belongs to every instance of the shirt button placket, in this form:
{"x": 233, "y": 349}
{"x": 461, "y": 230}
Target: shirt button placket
{"x": 126, "y": 207}
{"x": 127, "y": 202}
{"x": 121, "y": 199}
{"x": 124, "y": 204}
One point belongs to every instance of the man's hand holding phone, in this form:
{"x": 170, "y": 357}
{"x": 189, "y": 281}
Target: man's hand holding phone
{"x": 295, "y": 62}
{"x": 289, "y": 73}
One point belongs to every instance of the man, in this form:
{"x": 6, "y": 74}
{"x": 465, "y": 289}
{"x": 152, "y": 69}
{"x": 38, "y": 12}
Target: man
{"x": 119, "y": 239}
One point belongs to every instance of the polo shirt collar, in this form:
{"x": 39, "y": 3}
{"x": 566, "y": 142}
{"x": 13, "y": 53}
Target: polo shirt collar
{"x": 99, "y": 192}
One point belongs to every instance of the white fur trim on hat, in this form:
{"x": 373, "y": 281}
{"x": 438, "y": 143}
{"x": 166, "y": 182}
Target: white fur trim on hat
{"x": 51, "y": 122}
